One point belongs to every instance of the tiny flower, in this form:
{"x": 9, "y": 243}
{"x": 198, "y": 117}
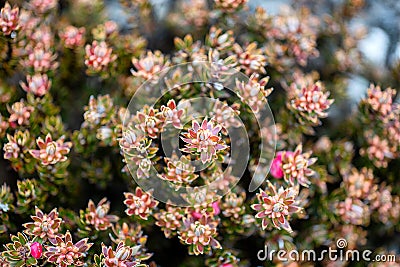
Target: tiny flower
{"x": 97, "y": 215}
{"x": 11, "y": 149}
{"x": 140, "y": 203}
{"x": 98, "y": 56}
{"x": 99, "y": 110}
{"x": 149, "y": 121}
{"x": 200, "y": 234}
{"x": 16, "y": 144}
{"x": 44, "y": 226}
{"x": 20, "y": 113}
{"x": 353, "y": 211}
{"x": 204, "y": 140}
{"x": 295, "y": 166}
{"x": 36, "y": 250}
{"x": 230, "y": 5}
{"x": 311, "y": 102}
{"x": 64, "y": 252}
{"x": 220, "y": 40}
{"x": 276, "y": 206}
{"x": 38, "y": 84}
{"x": 51, "y": 152}
{"x": 251, "y": 59}
{"x": 379, "y": 150}
{"x": 380, "y": 100}
{"x": 359, "y": 184}
{"x": 123, "y": 256}
{"x": 172, "y": 114}
{"x": 233, "y": 205}
{"x": 42, "y": 6}
{"x": 147, "y": 66}
{"x": 276, "y": 166}
{"x": 179, "y": 170}
{"x": 40, "y": 59}
{"x": 253, "y": 93}
{"x": 73, "y": 37}
{"x": 170, "y": 219}
{"x": 9, "y": 19}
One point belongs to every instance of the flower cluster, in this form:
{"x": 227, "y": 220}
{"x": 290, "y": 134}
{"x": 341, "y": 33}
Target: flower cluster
{"x": 276, "y": 206}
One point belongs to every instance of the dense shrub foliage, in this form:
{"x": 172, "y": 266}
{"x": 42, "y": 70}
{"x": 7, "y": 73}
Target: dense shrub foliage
{"x": 68, "y": 72}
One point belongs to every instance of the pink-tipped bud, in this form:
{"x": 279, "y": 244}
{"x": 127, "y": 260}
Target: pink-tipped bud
{"x": 36, "y": 250}
{"x": 276, "y": 166}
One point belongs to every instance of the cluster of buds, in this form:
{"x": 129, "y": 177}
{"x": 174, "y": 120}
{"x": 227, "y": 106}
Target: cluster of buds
{"x": 122, "y": 256}
{"x": 19, "y": 114}
{"x": 179, "y": 171}
{"x": 353, "y": 211}
{"x": 40, "y": 59}
{"x": 147, "y": 66}
{"x": 379, "y": 150}
{"x": 308, "y": 100}
{"x": 97, "y": 215}
{"x": 253, "y": 93}
{"x": 38, "y": 84}
{"x": 230, "y": 6}
{"x": 44, "y": 226}
{"x": 140, "y": 204}
{"x": 64, "y": 252}
{"x": 251, "y": 59}
{"x": 9, "y": 19}
{"x": 170, "y": 220}
{"x": 276, "y": 206}
{"x": 204, "y": 140}
{"x": 42, "y": 6}
{"x": 73, "y": 37}
{"x": 199, "y": 234}
{"x": 98, "y": 56}
{"x": 293, "y": 166}
{"x": 359, "y": 184}
{"x": 51, "y": 152}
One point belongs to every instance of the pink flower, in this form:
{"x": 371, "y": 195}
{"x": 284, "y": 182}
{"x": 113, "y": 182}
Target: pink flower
{"x": 251, "y": 59}
{"x": 51, "y": 152}
{"x": 311, "y": 102}
{"x": 140, "y": 203}
{"x": 380, "y": 101}
{"x": 72, "y": 36}
{"x": 97, "y": 215}
{"x": 253, "y": 93}
{"x": 38, "y": 84}
{"x": 42, "y": 6}
{"x": 276, "y": 206}
{"x": 40, "y": 59}
{"x": 276, "y": 166}
{"x": 123, "y": 256}
{"x": 172, "y": 114}
{"x": 149, "y": 121}
{"x": 295, "y": 166}
{"x": 36, "y": 250}
{"x": 9, "y": 19}
{"x": 98, "y": 56}
{"x": 11, "y": 149}
{"x": 199, "y": 234}
{"x": 204, "y": 140}
{"x": 65, "y": 253}
{"x": 20, "y": 113}
{"x": 148, "y": 65}
{"x": 44, "y": 226}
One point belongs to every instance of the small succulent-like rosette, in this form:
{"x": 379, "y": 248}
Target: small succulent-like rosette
{"x": 185, "y": 137}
